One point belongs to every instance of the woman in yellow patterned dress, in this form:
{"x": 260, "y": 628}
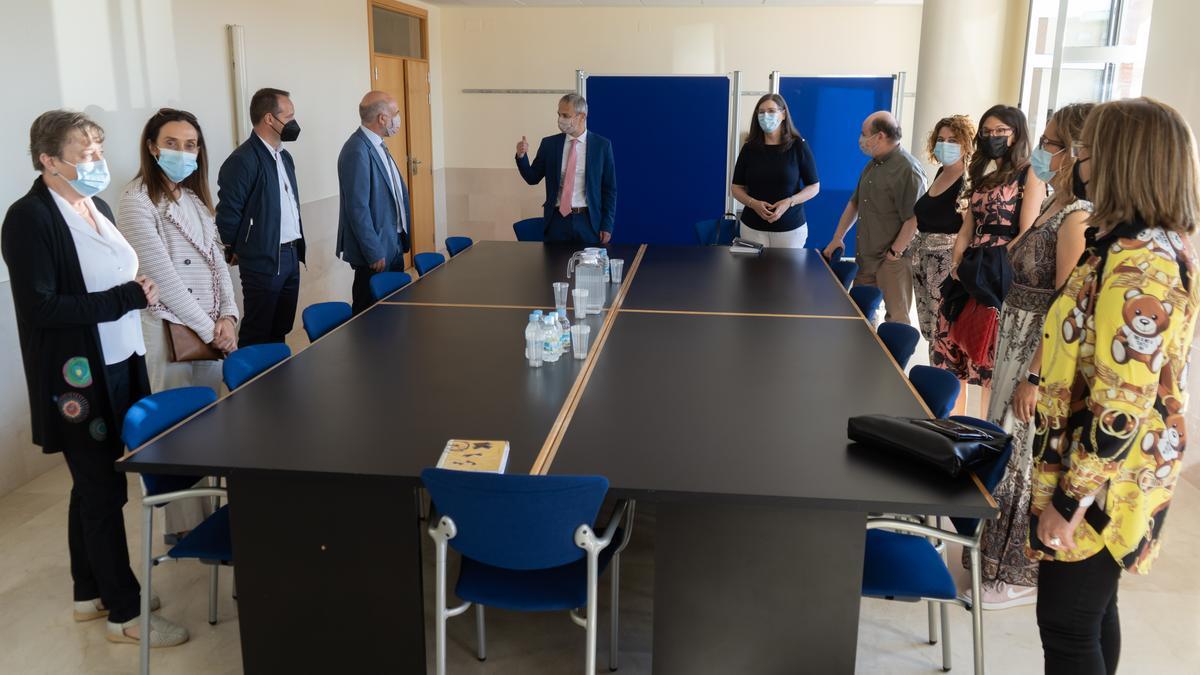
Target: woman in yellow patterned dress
{"x": 1110, "y": 416}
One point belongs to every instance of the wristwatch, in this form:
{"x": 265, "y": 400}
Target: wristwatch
{"x": 1033, "y": 378}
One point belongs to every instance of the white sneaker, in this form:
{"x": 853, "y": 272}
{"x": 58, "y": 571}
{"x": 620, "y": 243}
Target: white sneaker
{"x": 88, "y": 610}
{"x": 999, "y": 595}
{"x": 163, "y": 633}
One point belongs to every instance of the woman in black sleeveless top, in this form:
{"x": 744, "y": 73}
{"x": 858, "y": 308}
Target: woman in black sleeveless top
{"x": 938, "y": 216}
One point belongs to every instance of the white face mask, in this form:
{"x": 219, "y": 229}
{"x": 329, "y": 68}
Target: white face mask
{"x": 566, "y": 125}
{"x": 393, "y": 126}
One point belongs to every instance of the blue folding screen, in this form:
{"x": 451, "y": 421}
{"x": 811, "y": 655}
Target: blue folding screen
{"x": 669, "y": 178}
{"x": 829, "y": 112}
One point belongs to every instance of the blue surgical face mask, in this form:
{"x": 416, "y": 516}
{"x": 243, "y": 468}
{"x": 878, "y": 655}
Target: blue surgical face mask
{"x": 1040, "y": 159}
{"x": 769, "y": 122}
{"x": 176, "y": 164}
{"x": 90, "y": 177}
{"x": 947, "y": 152}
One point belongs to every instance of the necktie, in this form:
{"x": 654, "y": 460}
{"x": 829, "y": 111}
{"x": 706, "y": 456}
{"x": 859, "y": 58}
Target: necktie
{"x": 568, "y": 186}
{"x": 397, "y": 194}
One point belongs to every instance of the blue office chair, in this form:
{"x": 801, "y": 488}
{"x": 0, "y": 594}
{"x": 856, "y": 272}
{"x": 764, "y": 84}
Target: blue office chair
{"x": 530, "y": 229}
{"x": 247, "y": 362}
{"x": 456, "y": 245}
{"x": 321, "y": 317}
{"x": 527, "y": 544}
{"x": 900, "y": 566}
{"x": 716, "y": 232}
{"x": 868, "y": 299}
{"x": 938, "y": 388}
{"x": 845, "y": 271}
{"x": 386, "y": 283}
{"x": 209, "y": 542}
{"x": 900, "y": 339}
{"x": 426, "y": 262}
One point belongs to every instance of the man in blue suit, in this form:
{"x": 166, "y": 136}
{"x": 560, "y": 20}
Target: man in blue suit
{"x": 581, "y": 178}
{"x": 374, "y": 216}
{"x": 258, "y": 218}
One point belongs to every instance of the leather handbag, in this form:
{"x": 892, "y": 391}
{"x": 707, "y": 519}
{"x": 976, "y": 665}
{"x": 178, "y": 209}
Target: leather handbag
{"x": 947, "y": 445}
{"x": 183, "y": 344}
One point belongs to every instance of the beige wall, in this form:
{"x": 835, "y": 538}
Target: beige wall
{"x": 120, "y": 60}
{"x": 540, "y": 48}
{"x": 1173, "y": 56}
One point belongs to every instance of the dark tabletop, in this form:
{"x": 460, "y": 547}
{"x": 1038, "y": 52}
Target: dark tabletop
{"x": 380, "y": 396}
{"x": 711, "y": 279}
{"x": 503, "y": 273}
{"x": 751, "y": 409}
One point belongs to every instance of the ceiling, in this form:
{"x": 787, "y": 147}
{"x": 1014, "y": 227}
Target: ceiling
{"x": 665, "y": 3}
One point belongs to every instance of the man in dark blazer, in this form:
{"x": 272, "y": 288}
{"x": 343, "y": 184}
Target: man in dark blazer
{"x": 581, "y": 178}
{"x": 258, "y": 217}
{"x": 374, "y": 213}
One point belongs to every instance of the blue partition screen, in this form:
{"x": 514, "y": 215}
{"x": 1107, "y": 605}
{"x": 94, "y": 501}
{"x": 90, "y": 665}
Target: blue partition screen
{"x": 829, "y": 112}
{"x": 668, "y": 179}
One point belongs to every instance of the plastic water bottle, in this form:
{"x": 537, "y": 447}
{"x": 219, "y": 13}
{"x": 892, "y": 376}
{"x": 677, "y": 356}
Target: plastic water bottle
{"x": 564, "y": 327}
{"x": 533, "y": 339}
{"x": 551, "y": 342}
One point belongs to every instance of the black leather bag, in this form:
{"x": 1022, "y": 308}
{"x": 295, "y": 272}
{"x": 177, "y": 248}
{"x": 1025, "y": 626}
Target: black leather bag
{"x": 950, "y": 448}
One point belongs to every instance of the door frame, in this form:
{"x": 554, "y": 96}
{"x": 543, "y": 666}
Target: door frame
{"x": 402, "y": 8}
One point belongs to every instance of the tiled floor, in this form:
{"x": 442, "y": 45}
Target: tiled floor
{"x": 1160, "y": 613}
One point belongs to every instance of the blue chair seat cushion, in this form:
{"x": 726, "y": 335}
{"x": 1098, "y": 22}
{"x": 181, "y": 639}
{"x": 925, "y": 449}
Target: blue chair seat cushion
{"x": 904, "y": 566}
{"x": 210, "y": 540}
{"x": 552, "y": 589}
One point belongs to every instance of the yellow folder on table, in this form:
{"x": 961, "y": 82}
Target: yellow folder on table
{"x": 486, "y": 456}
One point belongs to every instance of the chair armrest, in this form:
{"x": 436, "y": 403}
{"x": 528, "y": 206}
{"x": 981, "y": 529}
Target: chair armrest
{"x": 921, "y": 529}
{"x": 168, "y": 497}
{"x": 614, "y": 522}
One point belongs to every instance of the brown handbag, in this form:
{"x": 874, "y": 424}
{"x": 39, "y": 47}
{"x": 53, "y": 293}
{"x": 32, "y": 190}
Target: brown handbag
{"x": 183, "y": 344}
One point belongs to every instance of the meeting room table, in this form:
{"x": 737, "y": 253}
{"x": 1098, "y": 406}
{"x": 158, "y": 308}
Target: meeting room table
{"x": 717, "y": 386}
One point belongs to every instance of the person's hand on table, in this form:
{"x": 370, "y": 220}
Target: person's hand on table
{"x": 605, "y": 237}
{"x": 1057, "y": 532}
{"x": 522, "y": 147}
{"x": 1024, "y": 400}
{"x": 779, "y": 208}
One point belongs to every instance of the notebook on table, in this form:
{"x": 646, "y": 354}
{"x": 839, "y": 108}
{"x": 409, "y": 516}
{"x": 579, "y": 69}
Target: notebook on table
{"x": 464, "y": 455}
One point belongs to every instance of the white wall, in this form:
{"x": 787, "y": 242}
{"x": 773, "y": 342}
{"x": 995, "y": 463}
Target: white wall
{"x": 120, "y": 60}
{"x": 1172, "y": 56}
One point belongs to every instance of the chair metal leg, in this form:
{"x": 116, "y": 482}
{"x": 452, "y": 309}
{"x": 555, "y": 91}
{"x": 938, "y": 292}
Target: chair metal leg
{"x": 593, "y": 563}
{"x": 212, "y": 594}
{"x": 614, "y": 632}
{"x": 481, "y": 649}
{"x": 977, "y": 609}
{"x": 440, "y": 608}
{"x": 148, "y": 561}
{"x": 945, "y": 636}
{"x": 933, "y": 626}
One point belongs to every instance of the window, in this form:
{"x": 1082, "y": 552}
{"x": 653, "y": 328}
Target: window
{"x": 1082, "y": 51}
{"x": 397, "y": 33}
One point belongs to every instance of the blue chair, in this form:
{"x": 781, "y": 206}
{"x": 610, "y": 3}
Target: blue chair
{"x": 527, "y": 544}
{"x": 716, "y": 232}
{"x": 900, "y": 566}
{"x": 868, "y": 299}
{"x": 845, "y": 271}
{"x": 456, "y": 245}
{"x": 530, "y": 229}
{"x": 938, "y": 388}
{"x": 322, "y": 317}
{"x": 900, "y": 339}
{"x": 386, "y": 283}
{"x": 425, "y": 262}
{"x": 247, "y": 362}
{"x": 209, "y": 542}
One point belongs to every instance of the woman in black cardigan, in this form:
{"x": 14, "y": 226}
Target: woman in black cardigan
{"x": 76, "y": 299}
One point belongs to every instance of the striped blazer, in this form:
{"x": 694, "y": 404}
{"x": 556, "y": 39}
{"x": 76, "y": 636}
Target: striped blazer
{"x": 184, "y": 258}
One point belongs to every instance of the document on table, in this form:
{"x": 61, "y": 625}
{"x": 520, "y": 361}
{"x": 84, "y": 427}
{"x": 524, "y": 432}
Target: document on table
{"x": 485, "y": 456}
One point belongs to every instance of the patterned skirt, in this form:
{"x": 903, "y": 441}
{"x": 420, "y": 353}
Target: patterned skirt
{"x": 1003, "y": 545}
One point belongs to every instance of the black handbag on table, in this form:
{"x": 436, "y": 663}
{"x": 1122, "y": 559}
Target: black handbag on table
{"x": 946, "y": 444}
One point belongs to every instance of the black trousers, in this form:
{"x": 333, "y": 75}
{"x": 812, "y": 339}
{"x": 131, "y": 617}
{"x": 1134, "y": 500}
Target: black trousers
{"x": 270, "y": 301}
{"x": 95, "y": 524}
{"x": 575, "y": 228}
{"x": 1077, "y": 615}
{"x": 360, "y": 292}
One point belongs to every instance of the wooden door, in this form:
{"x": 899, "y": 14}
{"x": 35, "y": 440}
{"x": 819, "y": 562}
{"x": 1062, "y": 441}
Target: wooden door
{"x": 389, "y": 76}
{"x": 417, "y": 121}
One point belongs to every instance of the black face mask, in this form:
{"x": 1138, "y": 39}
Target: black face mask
{"x": 1078, "y": 187}
{"x": 289, "y": 132}
{"x": 995, "y": 147}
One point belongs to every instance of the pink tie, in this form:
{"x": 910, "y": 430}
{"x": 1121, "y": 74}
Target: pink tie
{"x": 568, "y": 186}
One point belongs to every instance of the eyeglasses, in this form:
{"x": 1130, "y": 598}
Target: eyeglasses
{"x": 998, "y": 132}
{"x": 1079, "y": 149}
{"x": 1046, "y": 144}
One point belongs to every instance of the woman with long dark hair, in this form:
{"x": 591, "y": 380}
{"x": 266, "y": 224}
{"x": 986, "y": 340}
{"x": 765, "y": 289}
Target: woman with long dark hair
{"x": 774, "y": 175}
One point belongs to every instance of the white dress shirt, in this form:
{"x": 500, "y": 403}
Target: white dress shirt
{"x": 107, "y": 261}
{"x": 393, "y": 177}
{"x": 289, "y": 208}
{"x": 579, "y": 197}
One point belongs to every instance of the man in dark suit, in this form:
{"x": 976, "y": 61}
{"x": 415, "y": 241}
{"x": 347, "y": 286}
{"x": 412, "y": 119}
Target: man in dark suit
{"x": 374, "y": 214}
{"x": 258, "y": 217}
{"x": 581, "y": 178}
